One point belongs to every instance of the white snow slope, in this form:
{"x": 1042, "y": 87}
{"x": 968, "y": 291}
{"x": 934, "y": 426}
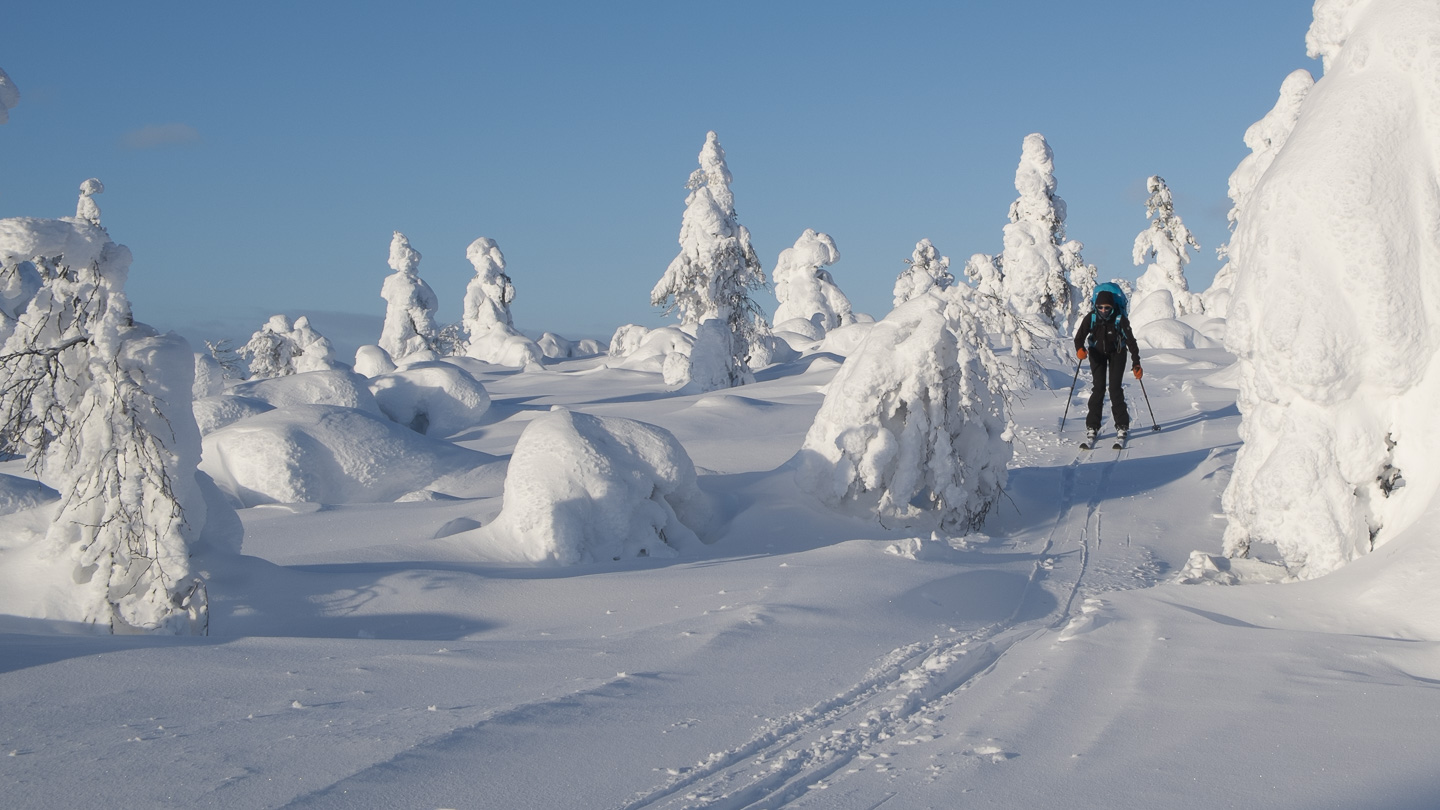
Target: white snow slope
{"x": 364, "y": 655}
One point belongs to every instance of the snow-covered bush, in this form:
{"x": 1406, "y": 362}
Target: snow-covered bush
{"x": 584, "y": 488}
{"x": 325, "y": 454}
{"x": 410, "y": 304}
{"x": 805, "y": 289}
{"x": 1034, "y": 280}
{"x": 1336, "y": 313}
{"x": 100, "y": 406}
{"x": 925, "y": 270}
{"x": 492, "y": 334}
{"x": 1165, "y": 244}
{"x": 915, "y": 420}
{"x": 281, "y": 348}
{"x": 437, "y": 399}
{"x": 1265, "y": 138}
{"x": 712, "y": 276}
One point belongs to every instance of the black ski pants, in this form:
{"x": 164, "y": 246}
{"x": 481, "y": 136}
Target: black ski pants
{"x": 1111, "y": 368}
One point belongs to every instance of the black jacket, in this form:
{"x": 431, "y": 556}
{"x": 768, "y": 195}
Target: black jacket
{"x": 1107, "y": 337}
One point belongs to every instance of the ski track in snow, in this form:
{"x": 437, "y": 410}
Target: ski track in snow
{"x": 795, "y": 754}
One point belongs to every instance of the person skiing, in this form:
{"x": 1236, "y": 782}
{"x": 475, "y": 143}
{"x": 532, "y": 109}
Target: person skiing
{"x": 1103, "y": 338}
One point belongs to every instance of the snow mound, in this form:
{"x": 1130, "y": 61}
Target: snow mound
{"x": 24, "y": 238}
{"x": 372, "y": 361}
{"x": 845, "y": 340}
{"x": 18, "y": 494}
{"x": 557, "y": 347}
{"x": 437, "y": 399}
{"x": 1173, "y": 334}
{"x": 584, "y": 488}
{"x": 325, "y": 454}
{"x": 342, "y": 389}
{"x": 213, "y": 413}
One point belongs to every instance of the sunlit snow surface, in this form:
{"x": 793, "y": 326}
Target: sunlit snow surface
{"x": 364, "y": 656}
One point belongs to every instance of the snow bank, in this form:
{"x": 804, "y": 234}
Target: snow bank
{"x": 340, "y": 388}
{"x": 327, "y": 454}
{"x": 584, "y": 488}
{"x": 915, "y": 420}
{"x": 18, "y": 494}
{"x": 437, "y": 399}
{"x": 1336, "y": 312}
{"x": 1170, "y": 333}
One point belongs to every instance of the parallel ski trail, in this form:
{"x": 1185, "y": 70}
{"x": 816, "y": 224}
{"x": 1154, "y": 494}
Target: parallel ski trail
{"x": 795, "y": 753}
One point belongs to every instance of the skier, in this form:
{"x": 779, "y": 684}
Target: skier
{"x": 1103, "y": 338}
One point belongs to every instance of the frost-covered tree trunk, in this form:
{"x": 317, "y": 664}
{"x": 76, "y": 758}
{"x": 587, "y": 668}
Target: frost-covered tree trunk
{"x": 492, "y": 336}
{"x": 1034, "y": 276}
{"x": 1165, "y": 244}
{"x": 1336, "y": 316}
{"x": 716, "y": 268}
{"x": 915, "y": 421}
{"x": 100, "y": 407}
{"x": 925, "y": 270}
{"x": 1265, "y": 138}
{"x": 410, "y": 304}
{"x": 805, "y": 289}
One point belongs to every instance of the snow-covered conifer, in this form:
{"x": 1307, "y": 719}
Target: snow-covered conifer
{"x": 410, "y": 304}
{"x": 100, "y": 406}
{"x": 1083, "y": 277}
{"x": 492, "y": 335}
{"x": 1265, "y": 138}
{"x": 915, "y": 420}
{"x": 1034, "y": 280}
{"x": 985, "y": 275}
{"x": 9, "y": 96}
{"x": 712, "y": 276}
{"x": 85, "y": 207}
{"x": 1165, "y": 244}
{"x": 805, "y": 289}
{"x": 925, "y": 270}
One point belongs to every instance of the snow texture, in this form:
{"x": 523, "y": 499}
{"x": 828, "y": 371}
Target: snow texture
{"x": 1336, "y": 315}
{"x": 805, "y": 289}
{"x": 925, "y": 270}
{"x": 410, "y": 304}
{"x": 915, "y": 421}
{"x": 583, "y": 489}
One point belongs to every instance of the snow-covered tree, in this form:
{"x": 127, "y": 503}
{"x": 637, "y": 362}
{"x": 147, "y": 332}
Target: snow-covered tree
{"x": 492, "y": 335}
{"x": 1033, "y": 279}
{"x": 1165, "y": 244}
{"x": 410, "y": 304}
{"x": 281, "y": 348}
{"x": 985, "y": 275}
{"x": 915, "y": 421}
{"x": 1083, "y": 277}
{"x": 101, "y": 408}
{"x": 925, "y": 270}
{"x": 1336, "y": 315}
{"x": 1265, "y": 138}
{"x": 9, "y": 96}
{"x": 805, "y": 289}
{"x": 85, "y": 207}
{"x": 716, "y": 268}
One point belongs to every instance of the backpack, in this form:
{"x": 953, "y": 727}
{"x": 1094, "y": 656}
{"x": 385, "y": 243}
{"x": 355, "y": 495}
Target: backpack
{"x": 1122, "y": 305}
{"x": 1111, "y": 340}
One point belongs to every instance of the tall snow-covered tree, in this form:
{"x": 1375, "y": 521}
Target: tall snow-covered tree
{"x": 410, "y": 304}
{"x": 1265, "y": 139}
{"x": 100, "y": 406}
{"x": 1165, "y": 244}
{"x": 1034, "y": 280}
{"x": 712, "y": 276}
{"x": 805, "y": 289}
{"x": 925, "y": 270}
{"x": 492, "y": 336}
{"x": 915, "y": 423}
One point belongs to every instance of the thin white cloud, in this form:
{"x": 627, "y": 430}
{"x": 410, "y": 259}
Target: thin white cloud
{"x": 155, "y": 136}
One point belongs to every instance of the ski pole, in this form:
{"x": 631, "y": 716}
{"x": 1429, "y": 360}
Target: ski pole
{"x": 1147, "y": 402}
{"x": 1072, "y": 395}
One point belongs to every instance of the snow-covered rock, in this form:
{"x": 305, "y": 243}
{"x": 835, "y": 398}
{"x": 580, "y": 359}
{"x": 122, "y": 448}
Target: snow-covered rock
{"x": 372, "y": 361}
{"x": 437, "y": 399}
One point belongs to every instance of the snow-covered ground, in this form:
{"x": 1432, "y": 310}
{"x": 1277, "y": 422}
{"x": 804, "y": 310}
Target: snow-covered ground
{"x": 370, "y": 655}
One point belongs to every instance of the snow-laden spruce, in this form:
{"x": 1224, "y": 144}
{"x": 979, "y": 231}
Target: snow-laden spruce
{"x": 9, "y": 96}
{"x": 806, "y": 290}
{"x": 583, "y": 488}
{"x": 1034, "y": 280}
{"x": 410, "y": 305}
{"x": 1335, "y": 317}
{"x": 490, "y": 330}
{"x": 712, "y": 276}
{"x": 925, "y": 270}
{"x": 280, "y": 348}
{"x": 1161, "y": 292}
{"x": 915, "y": 421}
{"x": 1265, "y": 138}
{"x": 100, "y": 407}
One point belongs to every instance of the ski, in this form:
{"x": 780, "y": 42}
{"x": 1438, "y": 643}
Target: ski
{"x": 1119, "y": 441}
{"x": 1089, "y": 441}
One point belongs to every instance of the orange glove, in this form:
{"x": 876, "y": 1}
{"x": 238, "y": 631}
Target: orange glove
{"x": 1080, "y": 353}
{"x": 1139, "y": 372}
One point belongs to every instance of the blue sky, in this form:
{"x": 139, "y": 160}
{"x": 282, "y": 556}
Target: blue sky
{"x": 257, "y": 156}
